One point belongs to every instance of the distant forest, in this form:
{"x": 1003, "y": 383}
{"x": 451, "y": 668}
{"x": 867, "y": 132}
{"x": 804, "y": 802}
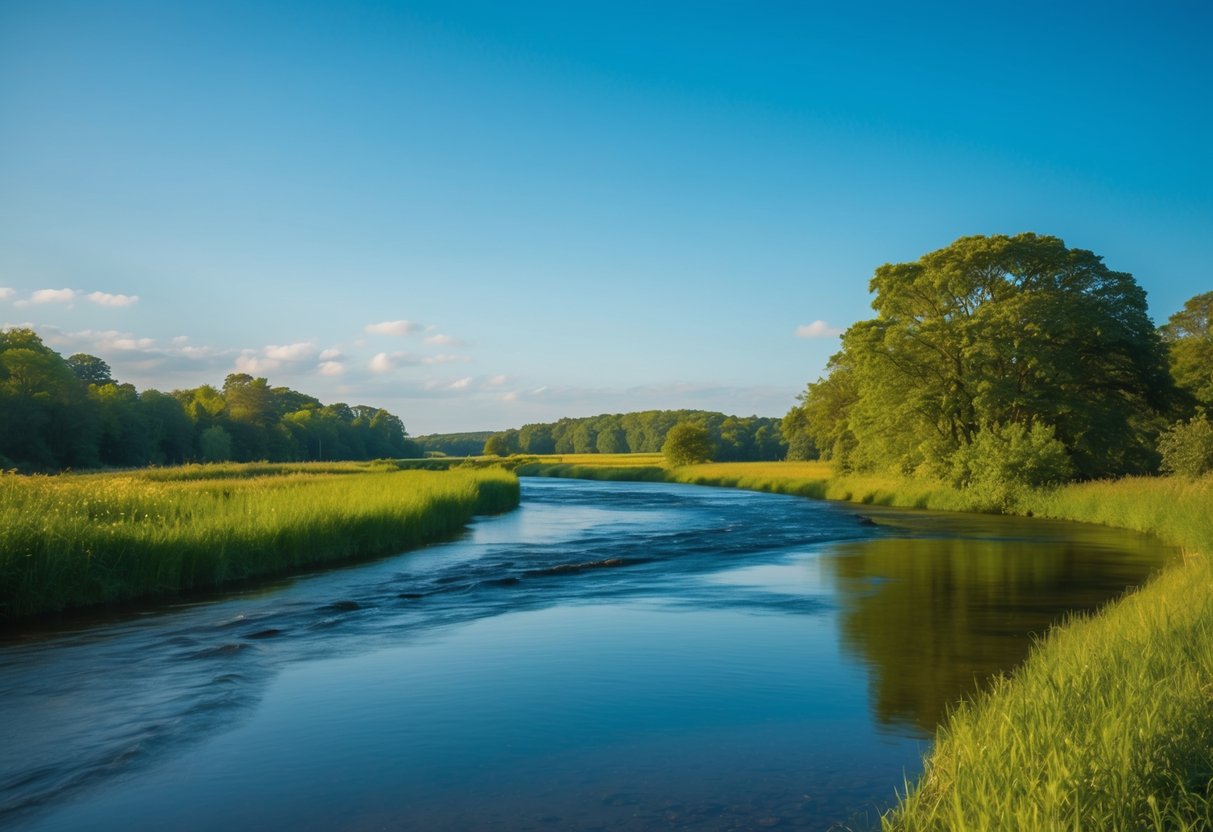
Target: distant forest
{"x": 58, "y": 413}
{"x": 735, "y": 438}
{"x": 454, "y": 444}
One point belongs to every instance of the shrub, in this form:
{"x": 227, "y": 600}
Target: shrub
{"x": 686, "y": 444}
{"x": 1187, "y": 447}
{"x": 1001, "y": 462}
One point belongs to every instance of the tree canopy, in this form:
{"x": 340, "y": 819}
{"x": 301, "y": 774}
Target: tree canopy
{"x": 687, "y": 443}
{"x": 60, "y": 413}
{"x": 735, "y": 438}
{"x": 1189, "y": 337}
{"x": 995, "y": 339}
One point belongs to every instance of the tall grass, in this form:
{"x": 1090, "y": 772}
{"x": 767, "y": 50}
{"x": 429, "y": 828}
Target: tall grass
{"x": 1109, "y": 724}
{"x": 77, "y": 540}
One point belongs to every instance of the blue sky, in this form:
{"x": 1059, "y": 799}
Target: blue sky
{"x": 483, "y": 214}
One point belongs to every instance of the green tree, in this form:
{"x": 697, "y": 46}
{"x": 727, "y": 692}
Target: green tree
{"x": 995, "y": 332}
{"x": 687, "y": 443}
{"x": 47, "y": 421}
{"x": 501, "y": 444}
{"x": 90, "y": 369}
{"x": 1189, "y": 337}
{"x": 1187, "y": 447}
{"x": 215, "y": 445}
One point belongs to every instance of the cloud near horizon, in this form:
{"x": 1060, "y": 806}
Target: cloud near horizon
{"x": 301, "y": 351}
{"x": 393, "y": 328}
{"x": 106, "y": 299}
{"x": 818, "y": 329}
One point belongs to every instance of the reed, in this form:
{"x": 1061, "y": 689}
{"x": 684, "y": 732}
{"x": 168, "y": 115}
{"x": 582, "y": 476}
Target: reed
{"x": 77, "y": 540}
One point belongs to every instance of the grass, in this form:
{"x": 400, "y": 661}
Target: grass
{"x": 1109, "y": 723}
{"x": 77, "y": 540}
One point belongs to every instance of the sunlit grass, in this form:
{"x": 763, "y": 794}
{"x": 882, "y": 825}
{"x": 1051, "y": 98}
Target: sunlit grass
{"x": 76, "y": 540}
{"x": 1109, "y": 724}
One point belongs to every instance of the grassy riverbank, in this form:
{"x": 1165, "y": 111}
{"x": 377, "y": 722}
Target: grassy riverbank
{"x": 1109, "y": 724}
{"x": 77, "y": 540}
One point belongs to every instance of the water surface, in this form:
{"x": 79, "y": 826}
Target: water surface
{"x": 609, "y": 656}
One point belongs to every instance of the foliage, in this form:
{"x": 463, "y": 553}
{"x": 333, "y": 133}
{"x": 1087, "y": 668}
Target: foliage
{"x": 1189, "y": 337}
{"x": 1187, "y": 447}
{"x": 453, "y": 444}
{"x": 75, "y": 540}
{"x": 734, "y": 437}
{"x": 687, "y": 443}
{"x": 57, "y": 414}
{"x": 1000, "y": 462}
{"x": 498, "y": 445}
{"x": 990, "y": 333}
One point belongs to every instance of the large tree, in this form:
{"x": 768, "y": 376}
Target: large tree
{"x": 1189, "y": 337}
{"x": 992, "y": 336}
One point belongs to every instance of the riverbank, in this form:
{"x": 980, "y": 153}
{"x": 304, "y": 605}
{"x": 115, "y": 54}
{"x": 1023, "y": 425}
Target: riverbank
{"x": 77, "y": 540}
{"x": 1109, "y": 724}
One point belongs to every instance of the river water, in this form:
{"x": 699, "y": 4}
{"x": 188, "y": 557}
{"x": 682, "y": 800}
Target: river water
{"x": 614, "y": 656}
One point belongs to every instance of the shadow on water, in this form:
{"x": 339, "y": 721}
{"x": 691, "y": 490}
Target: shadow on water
{"x": 927, "y": 603}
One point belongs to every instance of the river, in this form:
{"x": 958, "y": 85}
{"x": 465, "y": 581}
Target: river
{"x": 610, "y": 656}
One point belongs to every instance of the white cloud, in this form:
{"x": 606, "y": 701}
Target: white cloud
{"x": 290, "y": 352}
{"x": 331, "y": 354}
{"x": 6, "y": 293}
{"x": 250, "y": 362}
{"x": 817, "y": 329}
{"x": 132, "y": 344}
{"x": 330, "y": 368}
{"x": 461, "y": 384}
{"x": 180, "y": 340}
{"x": 382, "y": 363}
{"x": 496, "y": 381}
{"x": 441, "y": 340}
{"x": 106, "y": 299}
{"x": 393, "y": 328}
{"x": 198, "y": 352}
{"x": 445, "y": 358}
{"x": 53, "y": 296}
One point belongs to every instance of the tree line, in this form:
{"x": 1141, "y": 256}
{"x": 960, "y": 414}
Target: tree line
{"x": 454, "y": 444}
{"x": 58, "y": 413}
{"x": 1003, "y": 360}
{"x": 733, "y": 438}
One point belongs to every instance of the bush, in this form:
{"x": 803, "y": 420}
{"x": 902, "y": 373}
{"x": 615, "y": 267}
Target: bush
{"x": 1187, "y": 447}
{"x": 687, "y": 444}
{"x": 1001, "y": 462}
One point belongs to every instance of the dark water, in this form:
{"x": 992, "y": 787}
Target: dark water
{"x": 610, "y": 656}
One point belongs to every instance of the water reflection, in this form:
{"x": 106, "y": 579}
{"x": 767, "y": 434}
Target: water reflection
{"x": 934, "y": 617}
{"x": 612, "y": 655}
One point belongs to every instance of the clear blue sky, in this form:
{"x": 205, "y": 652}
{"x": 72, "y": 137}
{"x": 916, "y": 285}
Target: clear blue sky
{"x": 579, "y": 207}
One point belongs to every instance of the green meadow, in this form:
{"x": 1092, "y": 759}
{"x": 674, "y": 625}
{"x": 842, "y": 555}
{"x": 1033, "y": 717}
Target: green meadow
{"x": 1109, "y": 724}
{"x": 81, "y": 539}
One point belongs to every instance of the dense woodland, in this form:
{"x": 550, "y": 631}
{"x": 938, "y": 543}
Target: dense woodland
{"x": 1012, "y": 360}
{"x": 454, "y": 444}
{"x": 733, "y": 438}
{"x": 58, "y": 413}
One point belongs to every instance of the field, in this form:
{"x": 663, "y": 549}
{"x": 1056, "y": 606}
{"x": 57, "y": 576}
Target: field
{"x": 1109, "y": 724}
{"x": 76, "y": 540}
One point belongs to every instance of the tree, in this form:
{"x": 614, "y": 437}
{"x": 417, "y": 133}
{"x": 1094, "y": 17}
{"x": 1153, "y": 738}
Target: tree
{"x": 1189, "y": 337}
{"x": 502, "y": 444}
{"x": 687, "y": 443}
{"x": 993, "y": 333}
{"x": 90, "y": 369}
{"x": 215, "y": 445}
{"x": 1187, "y": 447}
